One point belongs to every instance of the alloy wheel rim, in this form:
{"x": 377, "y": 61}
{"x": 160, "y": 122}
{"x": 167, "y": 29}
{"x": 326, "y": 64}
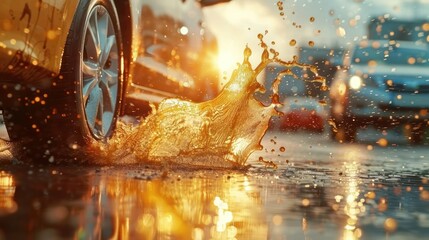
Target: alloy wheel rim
{"x": 100, "y": 72}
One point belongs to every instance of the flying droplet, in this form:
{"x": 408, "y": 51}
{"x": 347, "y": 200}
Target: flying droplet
{"x": 390, "y": 225}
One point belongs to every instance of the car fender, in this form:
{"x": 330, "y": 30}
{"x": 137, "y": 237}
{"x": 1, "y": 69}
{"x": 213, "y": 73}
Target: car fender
{"x": 36, "y": 32}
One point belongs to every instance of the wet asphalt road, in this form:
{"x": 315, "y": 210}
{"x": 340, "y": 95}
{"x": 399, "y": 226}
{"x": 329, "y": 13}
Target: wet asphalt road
{"x": 320, "y": 190}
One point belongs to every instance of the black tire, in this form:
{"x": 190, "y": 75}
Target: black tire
{"x": 76, "y": 110}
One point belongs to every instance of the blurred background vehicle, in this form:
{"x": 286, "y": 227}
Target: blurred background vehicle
{"x": 384, "y": 83}
{"x": 386, "y": 27}
{"x": 302, "y": 113}
{"x": 327, "y": 61}
{"x": 69, "y": 69}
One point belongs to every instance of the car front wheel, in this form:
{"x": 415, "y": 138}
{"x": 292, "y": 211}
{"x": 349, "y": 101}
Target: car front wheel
{"x": 84, "y": 101}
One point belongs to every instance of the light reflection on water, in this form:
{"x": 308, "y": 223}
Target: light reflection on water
{"x": 176, "y": 208}
{"x": 151, "y": 202}
{"x": 7, "y": 192}
{"x": 354, "y": 206}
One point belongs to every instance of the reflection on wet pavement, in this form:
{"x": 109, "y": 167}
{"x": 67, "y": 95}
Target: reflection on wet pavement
{"x": 333, "y": 191}
{"x": 7, "y": 192}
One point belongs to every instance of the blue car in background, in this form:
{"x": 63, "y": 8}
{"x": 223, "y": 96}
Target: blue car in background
{"x": 383, "y": 83}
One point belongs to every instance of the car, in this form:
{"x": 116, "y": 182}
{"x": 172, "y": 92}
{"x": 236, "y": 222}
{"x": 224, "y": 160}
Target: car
{"x": 302, "y": 113}
{"x": 69, "y": 69}
{"x": 383, "y": 83}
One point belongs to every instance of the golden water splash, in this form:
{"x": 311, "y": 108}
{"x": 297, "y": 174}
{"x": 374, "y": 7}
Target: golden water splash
{"x": 221, "y": 132}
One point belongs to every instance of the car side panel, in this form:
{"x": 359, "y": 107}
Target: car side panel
{"x": 33, "y": 34}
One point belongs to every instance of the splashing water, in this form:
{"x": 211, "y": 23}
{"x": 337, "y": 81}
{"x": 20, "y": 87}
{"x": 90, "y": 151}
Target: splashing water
{"x": 221, "y": 132}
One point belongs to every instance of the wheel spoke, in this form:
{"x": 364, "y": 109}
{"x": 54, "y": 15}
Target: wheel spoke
{"x": 91, "y": 48}
{"x": 102, "y": 27}
{"x": 110, "y": 77}
{"x": 93, "y": 30}
{"x": 109, "y": 96}
{"x": 89, "y": 86}
{"x": 89, "y": 69}
{"x": 108, "y": 106}
{"x": 92, "y": 108}
{"x": 106, "y": 49}
{"x": 100, "y": 119}
{"x": 107, "y": 121}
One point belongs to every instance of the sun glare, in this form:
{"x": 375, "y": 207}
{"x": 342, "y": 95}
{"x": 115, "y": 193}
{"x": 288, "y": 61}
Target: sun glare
{"x": 226, "y": 62}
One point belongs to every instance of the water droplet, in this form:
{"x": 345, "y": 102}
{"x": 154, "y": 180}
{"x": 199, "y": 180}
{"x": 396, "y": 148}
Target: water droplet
{"x": 424, "y": 195}
{"x": 311, "y": 43}
{"x": 305, "y": 202}
{"x": 390, "y": 225}
{"x": 292, "y": 42}
{"x": 312, "y": 19}
{"x": 277, "y": 220}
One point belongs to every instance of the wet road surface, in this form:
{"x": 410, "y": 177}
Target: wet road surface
{"x": 320, "y": 190}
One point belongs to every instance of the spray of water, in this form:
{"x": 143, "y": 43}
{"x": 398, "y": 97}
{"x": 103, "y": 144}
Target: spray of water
{"x": 221, "y": 132}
